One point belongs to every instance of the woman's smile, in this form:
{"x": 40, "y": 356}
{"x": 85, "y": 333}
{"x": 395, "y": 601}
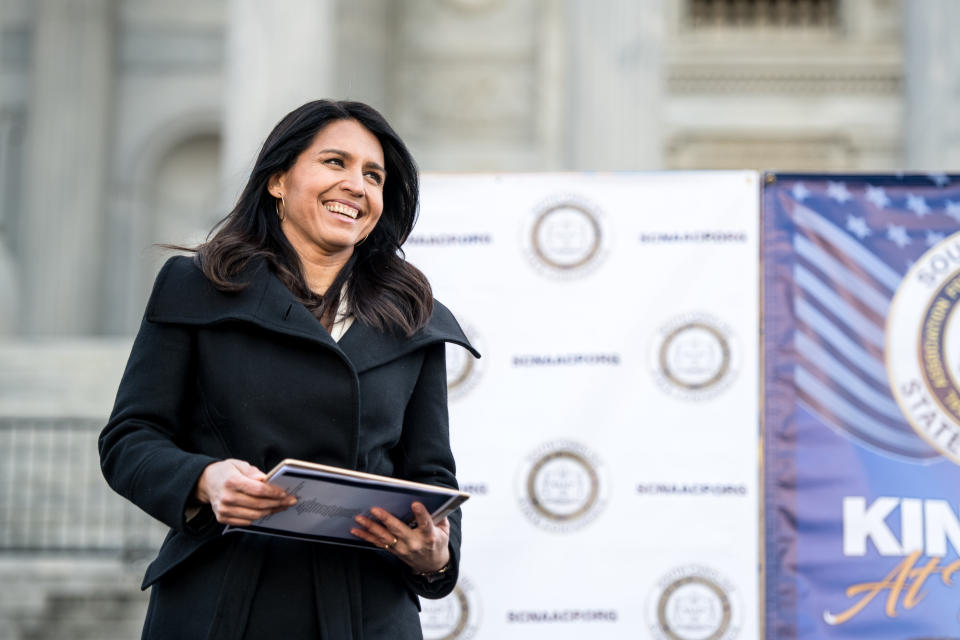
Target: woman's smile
{"x": 342, "y": 208}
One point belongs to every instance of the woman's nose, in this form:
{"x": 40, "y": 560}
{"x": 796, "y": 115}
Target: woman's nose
{"x": 353, "y": 182}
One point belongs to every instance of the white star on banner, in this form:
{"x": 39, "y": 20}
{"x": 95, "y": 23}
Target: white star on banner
{"x": 898, "y": 235}
{"x": 838, "y": 191}
{"x": 953, "y": 210}
{"x": 800, "y": 192}
{"x": 858, "y": 227}
{"x": 918, "y": 205}
{"x": 939, "y": 179}
{"x": 933, "y": 238}
{"x": 877, "y": 196}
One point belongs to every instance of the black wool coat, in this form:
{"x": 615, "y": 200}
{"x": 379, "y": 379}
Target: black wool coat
{"x": 253, "y": 375}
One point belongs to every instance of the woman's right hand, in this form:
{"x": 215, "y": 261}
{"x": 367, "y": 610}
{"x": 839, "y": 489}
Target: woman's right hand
{"x": 237, "y": 493}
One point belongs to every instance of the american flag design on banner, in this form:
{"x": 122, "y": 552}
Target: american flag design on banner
{"x": 852, "y": 239}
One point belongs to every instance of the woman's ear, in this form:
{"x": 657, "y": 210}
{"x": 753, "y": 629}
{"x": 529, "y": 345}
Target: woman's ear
{"x": 275, "y": 185}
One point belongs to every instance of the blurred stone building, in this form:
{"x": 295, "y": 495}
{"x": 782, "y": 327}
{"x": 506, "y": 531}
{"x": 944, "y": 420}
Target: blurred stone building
{"x": 129, "y": 122}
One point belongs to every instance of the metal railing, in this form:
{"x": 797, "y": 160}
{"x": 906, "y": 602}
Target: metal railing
{"x": 53, "y": 498}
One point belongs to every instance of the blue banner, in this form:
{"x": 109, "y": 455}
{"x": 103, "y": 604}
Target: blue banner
{"x": 861, "y": 275}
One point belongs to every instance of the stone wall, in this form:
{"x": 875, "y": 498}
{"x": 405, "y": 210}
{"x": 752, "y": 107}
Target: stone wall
{"x": 72, "y": 553}
{"x": 80, "y": 598}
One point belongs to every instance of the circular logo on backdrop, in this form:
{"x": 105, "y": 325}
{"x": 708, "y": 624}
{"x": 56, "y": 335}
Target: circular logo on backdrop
{"x": 561, "y": 486}
{"x": 693, "y": 603}
{"x": 463, "y": 370}
{"x": 454, "y": 617}
{"x": 565, "y": 237}
{"x": 694, "y": 356}
{"x": 923, "y": 348}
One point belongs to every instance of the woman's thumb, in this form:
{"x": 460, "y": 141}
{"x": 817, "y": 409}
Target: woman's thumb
{"x": 249, "y": 470}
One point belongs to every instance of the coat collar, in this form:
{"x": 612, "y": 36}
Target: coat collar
{"x": 183, "y": 295}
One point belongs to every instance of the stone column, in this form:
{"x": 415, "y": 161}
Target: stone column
{"x": 279, "y": 55}
{"x": 932, "y": 97}
{"x": 615, "y": 75}
{"x": 66, "y": 147}
{"x": 8, "y": 280}
{"x": 8, "y": 276}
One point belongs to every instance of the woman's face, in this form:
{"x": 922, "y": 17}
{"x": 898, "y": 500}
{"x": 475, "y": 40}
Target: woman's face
{"x": 333, "y": 193}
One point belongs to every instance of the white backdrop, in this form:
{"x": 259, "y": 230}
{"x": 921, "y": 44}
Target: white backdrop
{"x": 609, "y": 433}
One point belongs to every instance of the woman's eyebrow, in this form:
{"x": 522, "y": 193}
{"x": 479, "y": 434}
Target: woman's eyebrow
{"x": 348, "y": 155}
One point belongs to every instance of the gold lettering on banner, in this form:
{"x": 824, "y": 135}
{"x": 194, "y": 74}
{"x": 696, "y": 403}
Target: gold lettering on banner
{"x": 934, "y": 329}
{"x": 953, "y": 288}
{"x": 904, "y": 586}
{"x": 952, "y": 401}
{"x": 931, "y": 343}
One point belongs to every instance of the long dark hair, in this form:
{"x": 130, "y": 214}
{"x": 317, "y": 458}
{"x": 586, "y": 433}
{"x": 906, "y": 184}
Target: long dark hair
{"x": 383, "y": 289}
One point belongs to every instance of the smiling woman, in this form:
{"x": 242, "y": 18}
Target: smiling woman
{"x": 326, "y": 158}
{"x": 331, "y": 198}
{"x": 297, "y": 330}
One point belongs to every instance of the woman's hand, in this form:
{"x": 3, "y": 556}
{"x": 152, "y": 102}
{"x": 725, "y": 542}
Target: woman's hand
{"x": 424, "y": 548}
{"x": 237, "y": 493}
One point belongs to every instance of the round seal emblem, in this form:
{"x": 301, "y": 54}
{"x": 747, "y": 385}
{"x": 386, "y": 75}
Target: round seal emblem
{"x": 463, "y": 370}
{"x": 693, "y": 603}
{"x": 923, "y": 347}
{"x": 561, "y": 486}
{"x": 566, "y": 237}
{"x": 694, "y": 357}
{"x": 454, "y": 617}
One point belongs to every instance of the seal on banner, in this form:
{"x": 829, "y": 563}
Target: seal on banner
{"x": 463, "y": 370}
{"x": 923, "y": 347}
{"x": 561, "y": 486}
{"x": 454, "y": 617}
{"x": 566, "y": 237}
{"x": 695, "y": 357}
{"x": 694, "y": 603}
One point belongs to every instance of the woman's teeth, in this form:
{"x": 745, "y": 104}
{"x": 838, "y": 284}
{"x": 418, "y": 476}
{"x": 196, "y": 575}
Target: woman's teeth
{"x": 337, "y": 207}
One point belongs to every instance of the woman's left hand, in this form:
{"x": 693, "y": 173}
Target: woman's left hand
{"x": 424, "y": 548}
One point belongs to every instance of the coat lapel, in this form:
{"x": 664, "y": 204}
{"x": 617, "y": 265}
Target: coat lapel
{"x": 183, "y": 295}
{"x": 280, "y": 311}
{"x": 368, "y": 348}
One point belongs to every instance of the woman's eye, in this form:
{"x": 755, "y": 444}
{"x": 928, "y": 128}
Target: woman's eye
{"x": 376, "y": 177}
{"x": 335, "y": 161}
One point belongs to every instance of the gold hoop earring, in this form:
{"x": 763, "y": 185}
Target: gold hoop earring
{"x": 362, "y": 240}
{"x": 276, "y": 205}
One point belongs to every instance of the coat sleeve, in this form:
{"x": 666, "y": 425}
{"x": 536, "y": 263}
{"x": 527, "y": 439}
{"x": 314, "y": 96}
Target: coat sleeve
{"x": 425, "y": 456}
{"x": 139, "y": 456}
